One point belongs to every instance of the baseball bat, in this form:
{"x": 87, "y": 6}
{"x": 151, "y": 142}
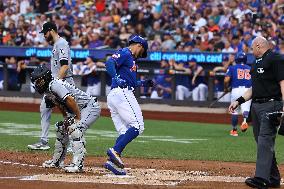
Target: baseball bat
{"x": 215, "y": 101}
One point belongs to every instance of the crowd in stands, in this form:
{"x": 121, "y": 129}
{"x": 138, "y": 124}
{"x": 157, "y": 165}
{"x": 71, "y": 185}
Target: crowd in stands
{"x": 227, "y": 26}
{"x": 183, "y": 25}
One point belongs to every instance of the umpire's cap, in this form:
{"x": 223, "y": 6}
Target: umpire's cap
{"x": 241, "y": 58}
{"x": 142, "y": 41}
{"x": 48, "y": 26}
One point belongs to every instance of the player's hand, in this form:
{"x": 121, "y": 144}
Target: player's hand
{"x": 120, "y": 82}
{"x": 233, "y": 106}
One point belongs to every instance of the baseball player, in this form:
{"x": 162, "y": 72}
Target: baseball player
{"x": 61, "y": 68}
{"x": 238, "y": 76}
{"x": 199, "y": 88}
{"x": 182, "y": 81}
{"x": 73, "y": 102}
{"x": 125, "y": 111}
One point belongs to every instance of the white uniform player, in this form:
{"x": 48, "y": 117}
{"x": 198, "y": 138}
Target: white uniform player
{"x": 72, "y": 101}
{"x": 125, "y": 111}
{"x": 240, "y": 79}
{"x": 61, "y": 67}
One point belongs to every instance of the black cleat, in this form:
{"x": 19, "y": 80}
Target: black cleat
{"x": 256, "y": 182}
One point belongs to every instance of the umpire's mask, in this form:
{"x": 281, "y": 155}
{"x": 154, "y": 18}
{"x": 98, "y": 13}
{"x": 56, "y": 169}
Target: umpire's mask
{"x": 41, "y": 77}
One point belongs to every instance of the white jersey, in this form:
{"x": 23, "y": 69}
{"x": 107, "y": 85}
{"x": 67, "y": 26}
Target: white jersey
{"x": 61, "y": 51}
{"x": 61, "y": 89}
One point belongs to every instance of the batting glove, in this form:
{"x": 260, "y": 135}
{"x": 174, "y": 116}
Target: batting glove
{"x": 120, "y": 82}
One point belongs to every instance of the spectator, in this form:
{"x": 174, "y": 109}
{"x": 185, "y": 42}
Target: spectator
{"x": 228, "y": 48}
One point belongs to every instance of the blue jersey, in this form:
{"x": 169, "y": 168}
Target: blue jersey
{"x": 183, "y": 79}
{"x": 240, "y": 75}
{"x": 125, "y": 67}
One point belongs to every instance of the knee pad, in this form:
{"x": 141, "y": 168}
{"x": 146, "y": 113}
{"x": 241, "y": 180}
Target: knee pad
{"x": 78, "y": 146}
{"x": 61, "y": 142}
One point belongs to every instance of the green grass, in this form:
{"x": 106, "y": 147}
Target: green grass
{"x": 161, "y": 139}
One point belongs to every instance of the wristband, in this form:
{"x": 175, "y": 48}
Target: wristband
{"x": 241, "y": 100}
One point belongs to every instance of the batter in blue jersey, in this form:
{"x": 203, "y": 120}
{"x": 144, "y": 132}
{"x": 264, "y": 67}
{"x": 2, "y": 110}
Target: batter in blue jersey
{"x": 125, "y": 111}
{"x": 238, "y": 76}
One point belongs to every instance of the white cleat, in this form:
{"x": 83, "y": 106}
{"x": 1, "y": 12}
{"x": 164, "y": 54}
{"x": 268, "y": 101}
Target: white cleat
{"x": 72, "y": 168}
{"x": 51, "y": 164}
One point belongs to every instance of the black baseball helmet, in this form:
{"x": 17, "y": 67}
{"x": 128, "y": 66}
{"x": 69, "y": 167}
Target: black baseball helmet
{"x": 241, "y": 58}
{"x": 41, "y": 77}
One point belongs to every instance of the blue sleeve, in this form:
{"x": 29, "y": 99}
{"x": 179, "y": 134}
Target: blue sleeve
{"x": 120, "y": 57}
{"x": 110, "y": 67}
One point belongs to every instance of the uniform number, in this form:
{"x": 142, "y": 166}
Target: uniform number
{"x": 244, "y": 74}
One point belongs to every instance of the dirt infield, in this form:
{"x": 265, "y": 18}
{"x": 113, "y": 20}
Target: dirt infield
{"x": 23, "y": 170}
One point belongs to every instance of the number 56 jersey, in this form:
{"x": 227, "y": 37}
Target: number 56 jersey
{"x": 239, "y": 75}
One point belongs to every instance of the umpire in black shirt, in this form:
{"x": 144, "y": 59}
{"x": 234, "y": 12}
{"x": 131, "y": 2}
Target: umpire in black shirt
{"x": 267, "y": 94}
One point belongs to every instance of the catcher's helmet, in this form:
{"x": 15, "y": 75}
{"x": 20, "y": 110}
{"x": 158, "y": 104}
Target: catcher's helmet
{"x": 241, "y": 58}
{"x": 41, "y": 77}
{"x": 142, "y": 41}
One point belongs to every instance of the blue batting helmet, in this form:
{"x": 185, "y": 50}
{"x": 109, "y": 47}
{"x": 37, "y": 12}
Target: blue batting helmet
{"x": 241, "y": 58}
{"x": 142, "y": 41}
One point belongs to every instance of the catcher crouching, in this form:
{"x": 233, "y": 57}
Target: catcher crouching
{"x": 79, "y": 110}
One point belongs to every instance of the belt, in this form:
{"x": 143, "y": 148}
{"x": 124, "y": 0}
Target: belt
{"x": 264, "y": 100}
{"x": 126, "y": 87}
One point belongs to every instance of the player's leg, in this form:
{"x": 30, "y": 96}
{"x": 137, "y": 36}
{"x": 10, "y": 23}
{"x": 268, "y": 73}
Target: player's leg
{"x": 131, "y": 114}
{"x": 195, "y": 94}
{"x": 234, "y": 116}
{"x": 203, "y": 90}
{"x": 77, "y": 135}
{"x": 60, "y": 148}
{"x": 180, "y": 92}
{"x": 245, "y": 107}
{"x": 45, "y": 123}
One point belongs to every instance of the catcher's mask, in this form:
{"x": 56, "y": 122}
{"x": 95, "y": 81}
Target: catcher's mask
{"x": 41, "y": 77}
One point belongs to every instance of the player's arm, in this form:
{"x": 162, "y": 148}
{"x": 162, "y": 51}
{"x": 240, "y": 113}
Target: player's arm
{"x": 72, "y": 105}
{"x": 110, "y": 67}
{"x": 63, "y": 53}
{"x": 198, "y": 71}
{"x": 227, "y": 80}
{"x": 63, "y": 71}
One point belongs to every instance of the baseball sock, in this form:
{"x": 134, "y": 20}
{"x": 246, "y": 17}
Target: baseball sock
{"x": 245, "y": 115}
{"x": 130, "y": 134}
{"x": 234, "y": 122}
{"x": 119, "y": 138}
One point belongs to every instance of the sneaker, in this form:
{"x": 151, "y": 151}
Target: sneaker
{"x": 114, "y": 169}
{"x": 51, "y": 164}
{"x": 39, "y": 146}
{"x": 72, "y": 168}
{"x": 115, "y": 158}
{"x": 244, "y": 126}
{"x": 234, "y": 133}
